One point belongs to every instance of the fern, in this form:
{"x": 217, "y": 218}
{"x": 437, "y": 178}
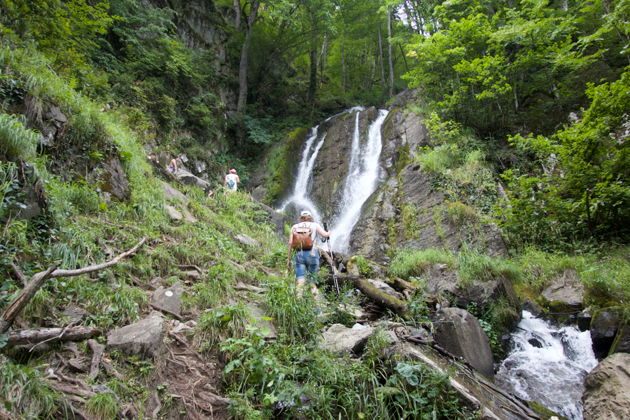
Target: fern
{"x": 16, "y": 141}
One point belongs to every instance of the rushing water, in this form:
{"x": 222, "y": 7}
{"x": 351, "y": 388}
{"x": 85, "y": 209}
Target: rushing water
{"x": 299, "y": 198}
{"x": 361, "y": 181}
{"x": 548, "y": 365}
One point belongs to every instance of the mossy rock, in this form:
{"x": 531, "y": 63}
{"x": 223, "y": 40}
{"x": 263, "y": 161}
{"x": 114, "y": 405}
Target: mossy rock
{"x": 544, "y": 412}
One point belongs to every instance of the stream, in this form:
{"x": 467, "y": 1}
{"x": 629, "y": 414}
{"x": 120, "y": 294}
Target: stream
{"x": 548, "y": 364}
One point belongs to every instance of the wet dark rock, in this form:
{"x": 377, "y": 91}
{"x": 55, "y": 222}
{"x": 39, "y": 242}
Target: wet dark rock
{"x": 604, "y": 327}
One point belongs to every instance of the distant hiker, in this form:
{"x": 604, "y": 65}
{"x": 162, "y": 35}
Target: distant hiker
{"x": 306, "y": 258}
{"x": 172, "y": 165}
{"x": 232, "y": 180}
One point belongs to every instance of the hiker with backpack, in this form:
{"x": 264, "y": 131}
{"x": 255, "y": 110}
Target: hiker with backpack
{"x": 231, "y": 180}
{"x": 306, "y": 258}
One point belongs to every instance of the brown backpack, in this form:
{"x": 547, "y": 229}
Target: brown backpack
{"x": 302, "y": 239}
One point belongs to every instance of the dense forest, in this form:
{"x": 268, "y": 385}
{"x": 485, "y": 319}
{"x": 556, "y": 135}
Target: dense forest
{"x": 527, "y": 103}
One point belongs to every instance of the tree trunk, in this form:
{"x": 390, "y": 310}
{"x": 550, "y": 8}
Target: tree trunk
{"x": 343, "y": 64}
{"x": 312, "y": 85}
{"x": 383, "y": 299}
{"x": 237, "y": 14}
{"x": 389, "y": 50}
{"x": 382, "y": 59}
{"x": 39, "y": 335}
{"x": 243, "y": 66}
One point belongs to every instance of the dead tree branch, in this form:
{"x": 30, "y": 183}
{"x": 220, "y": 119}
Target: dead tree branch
{"x": 38, "y": 335}
{"x": 13, "y": 310}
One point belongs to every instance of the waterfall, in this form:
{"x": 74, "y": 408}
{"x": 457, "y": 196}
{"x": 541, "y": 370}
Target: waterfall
{"x": 548, "y": 364}
{"x": 360, "y": 183}
{"x": 299, "y": 197}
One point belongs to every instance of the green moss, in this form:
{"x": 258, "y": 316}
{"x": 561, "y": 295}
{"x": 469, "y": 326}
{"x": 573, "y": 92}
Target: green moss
{"x": 281, "y": 162}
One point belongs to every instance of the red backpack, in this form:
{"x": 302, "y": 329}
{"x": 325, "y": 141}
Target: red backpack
{"x": 302, "y": 239}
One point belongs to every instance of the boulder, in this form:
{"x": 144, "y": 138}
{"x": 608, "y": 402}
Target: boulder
{"x": 246, "y": 240}
{"x": 604, "y": 327}
{"x": 168, "y": 300}
{"x": 565, "y": 293}
{"x": 143, "y": 338}
{"x": 457, "y": 331}
{"x": 173, "y": 213}
{"x": 114, "y": 180}
{"x": 339, "y": 338}
{"x": 172, "y": 193}
{"x": 75, "y": 314}
{"x": 606, "y": 394}
{"x": 188, "y": 178}
{"x": 622, "y": 340}
{"x": 441, "y": 279}
{"x": 259, "y": 319}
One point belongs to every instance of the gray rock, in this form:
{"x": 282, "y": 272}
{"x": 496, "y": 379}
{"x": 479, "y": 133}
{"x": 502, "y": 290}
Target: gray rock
{"x": 259, "y": 319}
{"x": 75, "y": 314}
{"x": 565, "y": 292}
{"x": 188, "y": 178}
{"x": 246, "y": 240}
{"x": 143, "y": 338}
{"x": 168, "y": 300}
{"x": 173, "y": 213}
{"x": 606, "y": 394}
{"x": 172, "y": 193}
{"x": 622, "y": 340}
{"x": 339, "y": 338}
{"x": 459, "y": 333}
{"x": 114, "y": 180}
{"x": 55, "y": 114}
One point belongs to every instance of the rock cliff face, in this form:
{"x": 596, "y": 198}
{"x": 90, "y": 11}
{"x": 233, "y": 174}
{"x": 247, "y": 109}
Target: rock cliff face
{"x": 407, "y": 210}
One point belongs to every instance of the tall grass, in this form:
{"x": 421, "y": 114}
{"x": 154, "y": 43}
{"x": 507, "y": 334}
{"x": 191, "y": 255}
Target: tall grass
{"x": 25, "y": 394}
{"x": 414, "y": 263}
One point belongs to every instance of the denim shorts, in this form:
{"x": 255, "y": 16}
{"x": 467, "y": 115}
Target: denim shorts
{"x": 306, "y": 261}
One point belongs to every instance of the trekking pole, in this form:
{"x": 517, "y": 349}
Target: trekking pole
{"x": 332, "y": 261}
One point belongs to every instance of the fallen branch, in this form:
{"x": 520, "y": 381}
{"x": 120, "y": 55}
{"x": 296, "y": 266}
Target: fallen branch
{"x": 18, "y": 274}
{"x": 54, "y": 338}
{"x": 13, "y": 310}
{"x": 38, "y": 335}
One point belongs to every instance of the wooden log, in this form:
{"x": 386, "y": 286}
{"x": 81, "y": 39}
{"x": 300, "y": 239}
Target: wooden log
{"x": 400, "y": 284}
{"x": 382, "y": 299}
{"x": 34, "y": 336}
{"x": 14, "y": 308}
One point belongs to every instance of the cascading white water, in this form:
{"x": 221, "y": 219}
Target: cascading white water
{"x": 361, "y": 182}
{"x": 548, "y": 364}
{"x": 299, "y": 198}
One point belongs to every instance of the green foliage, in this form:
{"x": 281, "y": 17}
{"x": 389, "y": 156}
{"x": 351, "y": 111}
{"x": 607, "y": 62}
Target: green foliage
{"x": 414, "y": 263}
{"x": 294, "y": 316}
{"x": 363, "y": 265}
{"x": 583, "y": 191}
{"x": 474, "y": 267}
{"x": 103, "y": 406}
{"x": 218, "y": 324}
{"x": 16, "y": 142}
{"x": 25, "y": 393}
